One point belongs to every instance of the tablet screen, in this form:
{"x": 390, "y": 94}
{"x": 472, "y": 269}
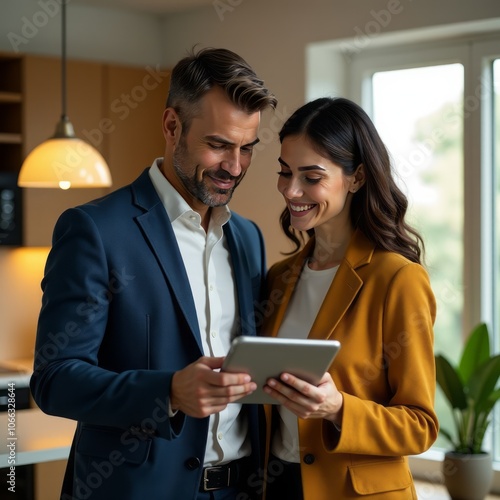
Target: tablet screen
{"x": 267, "y": 357}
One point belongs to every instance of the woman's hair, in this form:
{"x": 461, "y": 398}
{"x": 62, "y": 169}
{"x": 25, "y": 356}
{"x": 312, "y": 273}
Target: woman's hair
{"x": 193, "y": 76}
{"x": 340, "y": 130}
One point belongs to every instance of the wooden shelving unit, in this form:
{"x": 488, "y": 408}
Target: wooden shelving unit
{"x": 11, "y": 112}
{"x": 117, "y": 109}
{"x": 11, "y": 148}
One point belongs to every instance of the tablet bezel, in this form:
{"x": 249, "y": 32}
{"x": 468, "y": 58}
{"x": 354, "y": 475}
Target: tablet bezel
{"x": 268, "y": 357}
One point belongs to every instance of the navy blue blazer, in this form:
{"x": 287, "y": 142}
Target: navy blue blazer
{"x": 117, "y": 320}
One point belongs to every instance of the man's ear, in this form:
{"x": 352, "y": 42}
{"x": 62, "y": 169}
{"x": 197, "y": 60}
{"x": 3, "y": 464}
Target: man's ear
{"x": 171, "y": 125}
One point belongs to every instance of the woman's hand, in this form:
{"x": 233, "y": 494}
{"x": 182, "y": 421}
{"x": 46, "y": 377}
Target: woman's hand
{"x": 306, "y": 400}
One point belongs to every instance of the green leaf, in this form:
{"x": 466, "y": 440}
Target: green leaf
{"x": 450, "y": 382}
{"x": 476, "y": 352}
{"x": 471, "y": 389}
{"x": 448, "y": 436}
{"x": 487, "y": 406}
{"x": 482, "y": 383}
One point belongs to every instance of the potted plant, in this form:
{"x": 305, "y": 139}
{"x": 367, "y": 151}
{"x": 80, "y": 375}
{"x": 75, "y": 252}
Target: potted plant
{"x": 471, "y": 390}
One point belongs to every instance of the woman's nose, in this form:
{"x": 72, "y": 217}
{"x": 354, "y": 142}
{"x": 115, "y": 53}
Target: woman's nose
{"x": 292, "y": 188}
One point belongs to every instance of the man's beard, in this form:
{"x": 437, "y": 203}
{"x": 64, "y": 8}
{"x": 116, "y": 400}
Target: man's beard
{"x": 198, "y": 188}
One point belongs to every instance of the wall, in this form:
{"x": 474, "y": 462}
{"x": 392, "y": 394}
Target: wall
{"x": 273, "y": 35}
{"x": 99, "y": 34}
{"x": 21, "y": 270}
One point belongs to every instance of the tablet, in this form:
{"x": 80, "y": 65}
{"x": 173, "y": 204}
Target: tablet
{"x": 267, "y": 357}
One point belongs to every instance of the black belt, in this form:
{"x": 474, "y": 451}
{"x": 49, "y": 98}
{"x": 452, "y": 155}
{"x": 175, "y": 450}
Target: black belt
{"x": 222, "y": 476}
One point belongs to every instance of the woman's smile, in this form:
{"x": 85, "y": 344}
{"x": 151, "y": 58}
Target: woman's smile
{"x": 300, "y": 209}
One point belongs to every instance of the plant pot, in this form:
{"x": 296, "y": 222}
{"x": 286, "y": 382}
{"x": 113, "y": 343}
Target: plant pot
{"x": 467, "y": 476}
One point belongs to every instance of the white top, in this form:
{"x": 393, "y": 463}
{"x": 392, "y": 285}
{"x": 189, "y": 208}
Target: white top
{"x": 208, "y": 266}
{"x": 301, "y": 312}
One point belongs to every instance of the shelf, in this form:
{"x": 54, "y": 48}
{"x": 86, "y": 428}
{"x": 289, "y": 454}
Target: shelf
{"x": 10, "y": 138}
{"x": 11, "y": 109}
{"x": 10, "y": 97}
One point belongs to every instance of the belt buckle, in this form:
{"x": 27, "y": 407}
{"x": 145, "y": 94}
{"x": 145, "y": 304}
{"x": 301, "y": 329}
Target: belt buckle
{"x": 219, "y": 475}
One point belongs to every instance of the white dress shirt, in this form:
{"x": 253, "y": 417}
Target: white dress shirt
{"x": 208, "y": 266}
{"x": 299, "y": 318}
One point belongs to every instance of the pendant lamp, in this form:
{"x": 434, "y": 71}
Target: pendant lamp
{"x": 64, "y": 161}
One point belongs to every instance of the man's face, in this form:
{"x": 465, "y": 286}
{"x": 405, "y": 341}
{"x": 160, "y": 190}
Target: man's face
{"x": 211, "y": 159}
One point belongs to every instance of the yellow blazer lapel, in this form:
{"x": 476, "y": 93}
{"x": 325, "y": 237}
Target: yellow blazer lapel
{"x": 344, "y": 288}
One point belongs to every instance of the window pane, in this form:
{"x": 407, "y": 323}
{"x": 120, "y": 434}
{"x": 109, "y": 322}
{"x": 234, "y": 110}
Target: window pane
{"x": 418, "y": 113}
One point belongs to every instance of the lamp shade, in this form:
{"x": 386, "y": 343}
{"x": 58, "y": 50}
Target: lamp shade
{"x": 66, "y": 162}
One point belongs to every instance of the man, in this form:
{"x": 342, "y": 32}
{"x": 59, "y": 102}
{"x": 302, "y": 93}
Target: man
{"x": 144, "y": 290}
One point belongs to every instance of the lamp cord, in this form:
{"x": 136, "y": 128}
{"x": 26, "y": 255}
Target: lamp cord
{"x": 63, "y": 60}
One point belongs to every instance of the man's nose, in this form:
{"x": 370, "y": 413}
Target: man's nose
{"x": 232, "y": 163}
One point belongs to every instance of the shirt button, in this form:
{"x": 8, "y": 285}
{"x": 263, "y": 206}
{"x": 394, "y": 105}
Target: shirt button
{"x": 213, "y": 334}
{"x": 211, "y": 288}
{"x": 219, "y": 436}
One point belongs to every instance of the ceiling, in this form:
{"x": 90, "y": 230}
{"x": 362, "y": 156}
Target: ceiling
{"x": 149, "y": 6}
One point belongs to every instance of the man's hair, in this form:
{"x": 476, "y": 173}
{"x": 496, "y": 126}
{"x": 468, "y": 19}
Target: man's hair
{"x": 193, "y": 76}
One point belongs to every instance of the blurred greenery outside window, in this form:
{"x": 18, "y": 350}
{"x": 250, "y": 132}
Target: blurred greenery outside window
{"x": 418, "y": 113}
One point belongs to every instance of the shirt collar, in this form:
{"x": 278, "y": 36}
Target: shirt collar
{"x": 175, "y": 205}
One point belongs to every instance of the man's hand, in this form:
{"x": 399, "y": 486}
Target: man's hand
{"x": 199, "y": 391}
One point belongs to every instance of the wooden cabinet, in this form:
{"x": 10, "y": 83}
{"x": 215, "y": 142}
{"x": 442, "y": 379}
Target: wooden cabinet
{"x": 117, "y": 109}
{"x": 135, "y": 100}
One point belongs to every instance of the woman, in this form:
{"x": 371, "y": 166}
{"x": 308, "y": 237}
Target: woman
{"x": 357, "y": 279}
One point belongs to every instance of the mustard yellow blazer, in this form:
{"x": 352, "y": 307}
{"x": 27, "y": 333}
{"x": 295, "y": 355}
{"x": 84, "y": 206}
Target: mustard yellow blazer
{"x": 381, "y": 308}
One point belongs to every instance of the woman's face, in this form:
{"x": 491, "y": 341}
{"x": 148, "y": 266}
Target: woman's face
{"x": 315, "y": 189}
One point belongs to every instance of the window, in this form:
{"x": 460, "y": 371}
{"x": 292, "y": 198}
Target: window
{"x": 437, "y": 107}
{"x": 436, "y": 111}
{"x": 418, "y": 113}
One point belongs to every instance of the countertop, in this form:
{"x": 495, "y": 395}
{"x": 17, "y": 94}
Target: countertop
{"x": 17, "y": 371}
{"x": 34, "y": 437}
{"x": 29, "y": 436}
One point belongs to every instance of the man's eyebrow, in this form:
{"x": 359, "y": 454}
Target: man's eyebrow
{"x": 301, "y": 169}
{"x": 253, "y": 143}
{"x": 221, "y": 140}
